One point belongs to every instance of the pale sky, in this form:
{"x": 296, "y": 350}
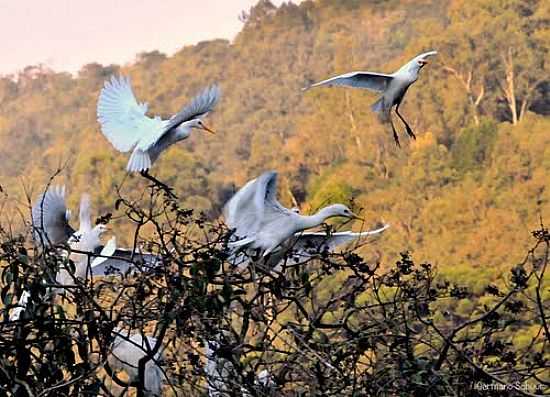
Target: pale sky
{"x": 66, "y": 34}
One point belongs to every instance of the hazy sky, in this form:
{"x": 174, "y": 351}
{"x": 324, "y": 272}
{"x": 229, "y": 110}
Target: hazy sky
{"x": 66, "y": 34}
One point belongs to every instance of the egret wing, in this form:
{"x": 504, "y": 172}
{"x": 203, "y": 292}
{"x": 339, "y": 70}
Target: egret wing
{"x": 107, "y": 251}
{"x": 270, "y": 192}
{"x": 274, "y": 216}
{"x": 123, "y": 260}
{"x": 303, "y": 246}
{"x": 244, "y": 212}
{"x": 202, "y": 104}
{"x": 232, "y": 208}
{"x": 377, "y": 82}
{"x": 122, "y": 118}
{"x": 319, "y": 241}
{"x": 50, "y": 218}
{"x": 85, "y": 215}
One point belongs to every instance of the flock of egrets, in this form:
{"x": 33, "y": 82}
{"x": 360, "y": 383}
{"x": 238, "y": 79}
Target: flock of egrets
{"x": 264, "y": 231}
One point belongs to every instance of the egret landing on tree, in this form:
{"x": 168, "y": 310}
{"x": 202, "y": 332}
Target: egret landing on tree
{"x": 125, "y": 124}
{"x": 261, "y": 223}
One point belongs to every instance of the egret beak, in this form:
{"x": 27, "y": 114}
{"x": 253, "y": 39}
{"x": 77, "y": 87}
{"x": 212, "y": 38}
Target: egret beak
{"x": 354, "y": 216}
{"x": 208, "y": 129}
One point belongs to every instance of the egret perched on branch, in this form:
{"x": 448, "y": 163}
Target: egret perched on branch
{"x": 392, "y": 87}
{"x": 50, "y": 224}
{"x": 260, "y": 222}
{"x": 125, "y": 124}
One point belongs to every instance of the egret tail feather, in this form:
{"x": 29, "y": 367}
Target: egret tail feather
{"x": 139, "y": 161}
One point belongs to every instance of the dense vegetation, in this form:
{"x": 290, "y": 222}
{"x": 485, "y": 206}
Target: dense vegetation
{"x": 466, "y": 193}
{"x": 332, "y": 325}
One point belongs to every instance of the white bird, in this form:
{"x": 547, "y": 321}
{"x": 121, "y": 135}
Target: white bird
{"x": 50, "y": 224}
{"x": 125, "y": 124}
{"x": 88, "y": 242}
{"x": 260, "y": 222}
{"x": 127, "y": 350}
{"x": 50, "y": 221}
{"x": 392, "y": 87}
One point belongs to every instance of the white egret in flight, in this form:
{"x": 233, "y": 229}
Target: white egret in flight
{"x": 392, "y": 87}
{"x": 125, "y": 124}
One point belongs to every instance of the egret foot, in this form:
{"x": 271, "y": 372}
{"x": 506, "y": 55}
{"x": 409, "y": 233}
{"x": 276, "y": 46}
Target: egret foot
{"x": 162, "y": 186}
{"x": 395, "y": 136}
{"x": 410, "y": 132}
{"x": 407, "y": 127}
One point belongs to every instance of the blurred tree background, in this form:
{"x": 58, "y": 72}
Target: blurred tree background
{"x": 464, "y": 195}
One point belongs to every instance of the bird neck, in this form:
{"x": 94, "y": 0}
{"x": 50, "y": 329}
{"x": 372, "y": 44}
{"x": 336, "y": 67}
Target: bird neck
{"x": 410, "y": 69}
{"x": 309, "y": 221}
{"x": 183, "y": 131}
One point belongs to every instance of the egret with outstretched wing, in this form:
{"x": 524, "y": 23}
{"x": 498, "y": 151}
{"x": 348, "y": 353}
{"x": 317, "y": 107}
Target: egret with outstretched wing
{"x": 392, "y": 87}
{"x": 260, "y": 222}
{"x": 125, "y": 124}
{"x": 50, "y": 224}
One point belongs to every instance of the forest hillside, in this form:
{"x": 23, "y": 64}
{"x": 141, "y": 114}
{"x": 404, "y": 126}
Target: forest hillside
{"x": 465, "y": 195}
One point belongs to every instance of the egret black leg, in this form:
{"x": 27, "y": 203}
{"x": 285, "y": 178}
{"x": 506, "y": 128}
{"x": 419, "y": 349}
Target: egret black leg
{"x": 407, "y": 127}
{"x": 395, "y": 136}
{"x": 164, "y": 187}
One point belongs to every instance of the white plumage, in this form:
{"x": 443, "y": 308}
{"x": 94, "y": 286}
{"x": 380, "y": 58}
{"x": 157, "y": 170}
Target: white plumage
{"x": 392, "y": 87}
{"x": 127, "y": 350}
{"x": 123, "y": 120}
{"x": 50, "y": 218}
{"x": 50, "y": 224}
{"x": 260, "y": 222}
{"x": 125, "y": 124}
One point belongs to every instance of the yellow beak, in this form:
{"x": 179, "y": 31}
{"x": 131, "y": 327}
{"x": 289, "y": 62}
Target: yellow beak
{"x": 204, "y": 127}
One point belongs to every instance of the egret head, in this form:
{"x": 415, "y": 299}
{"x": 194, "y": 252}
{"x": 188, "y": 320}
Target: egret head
{"x": 100, "y": 228}
{"x": 97, "y": 232}
{"x": 420, "y": 61}
{"x": 199, "y": 124}
{"x": 340, "y": 210}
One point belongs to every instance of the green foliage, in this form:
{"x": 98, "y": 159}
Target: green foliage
{"x": 473, "y": 147}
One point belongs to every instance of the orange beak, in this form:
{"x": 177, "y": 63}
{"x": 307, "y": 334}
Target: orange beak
{"x": 358, "y": 218}
{"x": 204, "y": 127}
